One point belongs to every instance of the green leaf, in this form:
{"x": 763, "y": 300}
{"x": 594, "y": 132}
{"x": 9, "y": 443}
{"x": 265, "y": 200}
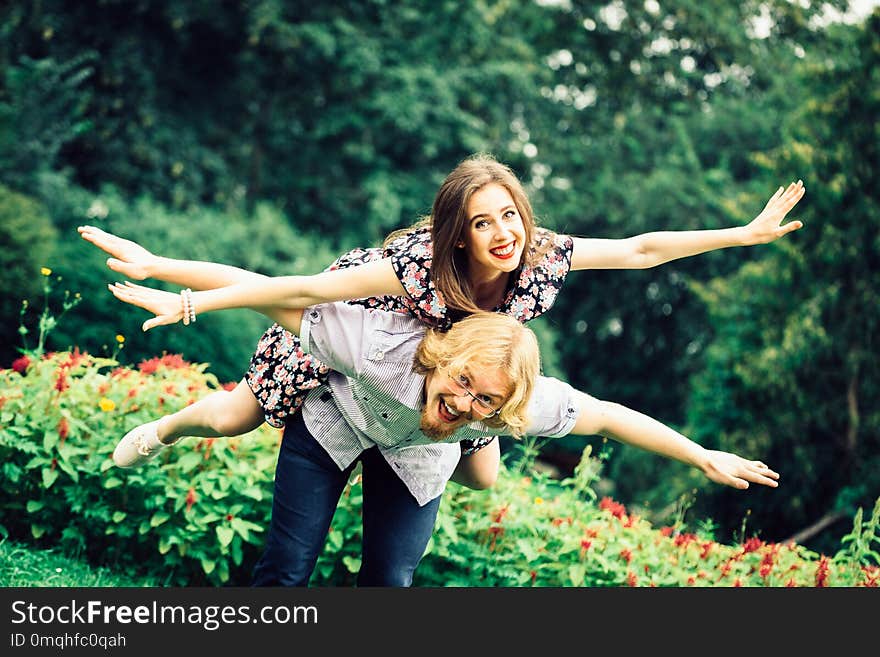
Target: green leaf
{"x": 253, "y": 492}
{"x": 112, "y": 482}
{"x": 119, "y": 516}
{"x": 353, "y": 564}
{"x": 37, "y": 531}
{"x": 50, "y": 439}
{"x": 158, "y": 518}
{"x": 224, "y": 535}
{"x": 188, "y": 462}
{"x": 49, "y": 477}
{"x": 241, "y": 528}
{"x": 34, "y": 505}
{"x": 527, "y": 549}
{"x": 576, "y": 573}
{"x": 208, "y": 566}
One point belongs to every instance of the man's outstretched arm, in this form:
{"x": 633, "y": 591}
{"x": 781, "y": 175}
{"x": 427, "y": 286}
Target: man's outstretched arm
{"x": 597, "y": 417}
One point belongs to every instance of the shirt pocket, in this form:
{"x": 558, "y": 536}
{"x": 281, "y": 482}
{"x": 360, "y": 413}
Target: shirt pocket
{"x": 389, "y": 347}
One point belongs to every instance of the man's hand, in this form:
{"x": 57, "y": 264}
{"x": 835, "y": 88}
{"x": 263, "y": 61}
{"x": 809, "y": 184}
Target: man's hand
{"x": 767, "y": 226}
{"x": 732, "y": 470}
{"x": 128, "y": 258}
{"x": 167, "y": 306}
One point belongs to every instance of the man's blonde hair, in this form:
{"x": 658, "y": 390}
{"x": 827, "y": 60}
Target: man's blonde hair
{"x": 487, "y": 340}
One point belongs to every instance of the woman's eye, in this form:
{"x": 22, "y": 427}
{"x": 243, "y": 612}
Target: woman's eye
{"x": 481, "y": 224}
{"x": 509, "y": 215}
{"x": 486, "y": 399}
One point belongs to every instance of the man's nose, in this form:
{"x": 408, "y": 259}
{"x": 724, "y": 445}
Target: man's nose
{"x": 463, "y": 403}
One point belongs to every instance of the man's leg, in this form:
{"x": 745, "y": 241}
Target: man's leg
{"x": 307, "y": 488}
{"x": 396, "y": 528}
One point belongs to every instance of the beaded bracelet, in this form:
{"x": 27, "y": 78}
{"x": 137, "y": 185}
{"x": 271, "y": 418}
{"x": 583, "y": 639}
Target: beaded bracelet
{"x": 192, "y": 306}
{"x": 189, "y": 309}
{"x": 184, "y": 301}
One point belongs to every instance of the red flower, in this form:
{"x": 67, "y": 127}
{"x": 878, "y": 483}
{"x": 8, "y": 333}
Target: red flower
{"x": 615, "y": 508}
{"x": 61, "y": 382}
{"x": 707, "y": 547}
{"x": 20, "y": 365}
{"x": 174, "y": 361}
{"x": 149, "y": 366}
{"x": 822, "y": 572}
{"x": 631, "y": 579}
{"x": 666, "y": 531}
{"x": 682, "y": 540}
{"x": 791, "y": 583}
{"x": 190, "y": 498}
{"x": 73, "y": 358}
{"x": 54, "y": 464}
{"x": 626, "y": 555}
{"x": 499, "y": 515}
{"x": 63, "y": 429}
{"x": 752, "y": 545}
{"x": 534, "y": 575}
{"x": 229, "y": 517}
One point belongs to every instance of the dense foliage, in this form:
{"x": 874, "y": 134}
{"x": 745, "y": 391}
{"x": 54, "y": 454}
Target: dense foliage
{"x": 198, "y": 513}
{"x": 272, "y": 135}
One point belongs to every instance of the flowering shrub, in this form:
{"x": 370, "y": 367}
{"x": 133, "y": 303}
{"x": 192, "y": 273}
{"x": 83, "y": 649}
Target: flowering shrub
{"x": 533, "y": 531}
{"x": 197, "y": 514}
{"x": 194, "y": 515}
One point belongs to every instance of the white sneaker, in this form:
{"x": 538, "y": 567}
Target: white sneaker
{"x": 139, "y": 445}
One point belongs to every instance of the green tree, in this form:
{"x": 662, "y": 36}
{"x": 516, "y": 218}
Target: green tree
{"x": 792, "y": 374}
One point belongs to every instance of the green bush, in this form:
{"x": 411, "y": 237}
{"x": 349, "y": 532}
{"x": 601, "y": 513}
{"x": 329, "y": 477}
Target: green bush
{"x": 26, "y": 242}
{"x": 198, "y": 513}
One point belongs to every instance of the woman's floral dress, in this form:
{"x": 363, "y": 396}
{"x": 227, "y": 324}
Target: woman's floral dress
{"x": 281, "y": 374}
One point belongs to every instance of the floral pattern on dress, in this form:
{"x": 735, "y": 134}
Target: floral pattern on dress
{"x": 281, "y": 374}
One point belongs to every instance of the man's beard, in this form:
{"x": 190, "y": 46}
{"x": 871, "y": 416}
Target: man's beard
{"x": 433, "y": 431}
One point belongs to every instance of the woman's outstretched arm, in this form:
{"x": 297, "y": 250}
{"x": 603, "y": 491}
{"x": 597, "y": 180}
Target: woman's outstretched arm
{"x": 652, "y": 249}
{"x": 137, "y": 263}
{"x": 243, "y": 288}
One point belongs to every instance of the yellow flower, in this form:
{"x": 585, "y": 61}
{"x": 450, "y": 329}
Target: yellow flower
{"x": 539, "y": 500}
{"x": 120, "y": 339}
{"x": 106, "y": 405}
{"x": 45, "y": 271}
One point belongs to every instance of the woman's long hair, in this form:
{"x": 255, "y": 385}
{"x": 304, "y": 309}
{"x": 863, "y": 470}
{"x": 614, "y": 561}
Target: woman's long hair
{"x": 449, "y": 221}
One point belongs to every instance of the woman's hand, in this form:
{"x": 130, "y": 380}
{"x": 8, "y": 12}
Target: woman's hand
{"x": 767, "y": 226}
{"x": 128, "y": 258}
{"x": 732, "y": 470}
{"x": 167, "y": 306}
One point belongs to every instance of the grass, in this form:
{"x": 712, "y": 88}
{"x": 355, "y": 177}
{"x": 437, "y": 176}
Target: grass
{"x": 23, "y": 565}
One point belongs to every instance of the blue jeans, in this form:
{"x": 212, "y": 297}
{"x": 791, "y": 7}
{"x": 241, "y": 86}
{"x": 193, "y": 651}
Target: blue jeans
{"x": 308, "y": 484}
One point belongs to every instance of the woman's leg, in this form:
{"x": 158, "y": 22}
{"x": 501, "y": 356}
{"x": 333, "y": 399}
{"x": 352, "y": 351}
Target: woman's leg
{"x": 307, "y": 488}
{"x": 222, "y": 413}
{"x": 479, "y": 469}
{"x": 396, "y": 528}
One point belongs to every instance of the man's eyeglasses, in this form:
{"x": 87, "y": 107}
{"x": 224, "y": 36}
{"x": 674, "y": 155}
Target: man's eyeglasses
{"x": 480, "y": 403}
